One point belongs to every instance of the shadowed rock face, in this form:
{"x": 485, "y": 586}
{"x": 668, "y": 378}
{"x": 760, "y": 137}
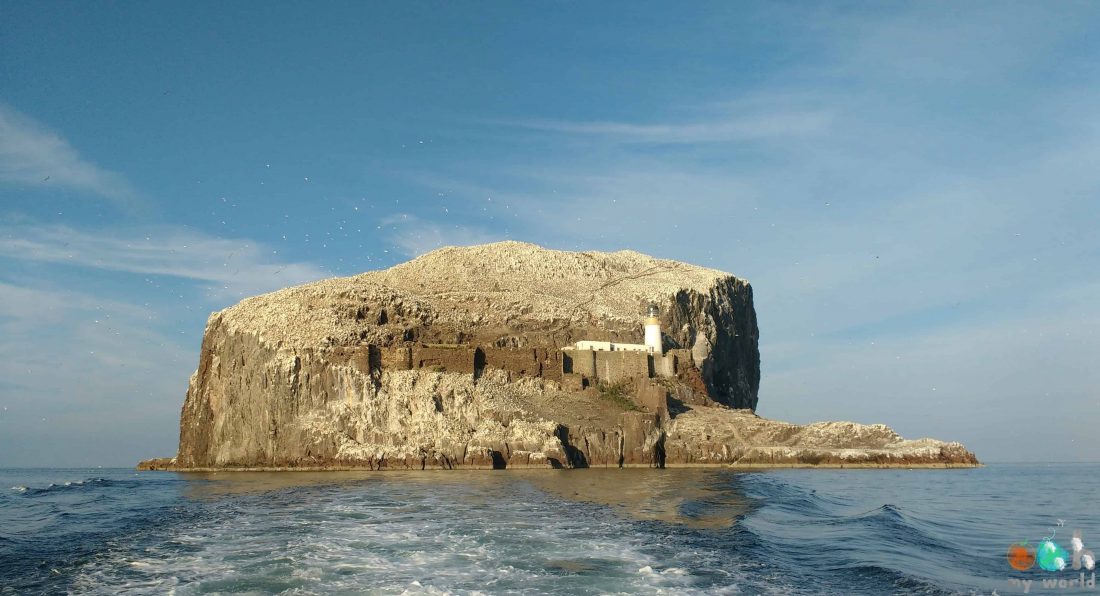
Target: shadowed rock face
{"x": 720, "y": 328}
{"x": 274, "y": 387}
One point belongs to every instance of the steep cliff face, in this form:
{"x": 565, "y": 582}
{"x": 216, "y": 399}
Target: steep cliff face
{"x": 252, "y": 406}
{"x": 275, "y": 386}
{"x": 720, "y": 328}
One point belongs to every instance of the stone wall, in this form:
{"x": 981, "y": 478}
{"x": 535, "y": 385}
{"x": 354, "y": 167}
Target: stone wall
{"x": 394, "y": 358}
{"x": 575, "y": 369}
{"x": 458, "y": 359}
{"x": 665, "y": 365}
{"x": 529, "y": 362}
{"x": 615, "y": 367}
{"x": 518, "y": 361}
{"x": 579, "y": 362}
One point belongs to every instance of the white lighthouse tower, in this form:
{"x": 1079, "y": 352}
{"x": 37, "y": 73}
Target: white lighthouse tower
{"x": 653, "y": 330}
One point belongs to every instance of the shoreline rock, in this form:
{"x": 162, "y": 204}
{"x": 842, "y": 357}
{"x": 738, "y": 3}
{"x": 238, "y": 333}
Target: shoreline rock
{"x": 306, "y": 378}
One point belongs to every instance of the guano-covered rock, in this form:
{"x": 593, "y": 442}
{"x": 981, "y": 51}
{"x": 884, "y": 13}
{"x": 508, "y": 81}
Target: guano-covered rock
{"x": 454, "y": 360}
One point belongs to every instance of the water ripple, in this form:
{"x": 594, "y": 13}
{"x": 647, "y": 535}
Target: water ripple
{"x": 587, "y": 531}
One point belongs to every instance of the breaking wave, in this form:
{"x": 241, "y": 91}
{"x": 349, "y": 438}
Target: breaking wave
{"x": 85, "y": 484}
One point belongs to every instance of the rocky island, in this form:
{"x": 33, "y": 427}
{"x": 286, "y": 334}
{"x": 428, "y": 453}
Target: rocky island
{"x": 505, "y": 355}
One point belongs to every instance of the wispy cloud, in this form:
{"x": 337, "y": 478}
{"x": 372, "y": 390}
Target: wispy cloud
{"x": 32, "y": 155}
{"x": 907, "y": 265}
{"x": 718, "y": 128}
{"x": 1025, "y": 376}
{"x": 226, "y": 267}
{"x": 78, "y": 367}
{"x": 415, "y": 236}
{"x": 25, "y": 308}
{"x": 82, "y": 359}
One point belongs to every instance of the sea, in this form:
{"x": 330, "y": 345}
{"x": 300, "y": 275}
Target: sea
{"x": 588, "y": 531}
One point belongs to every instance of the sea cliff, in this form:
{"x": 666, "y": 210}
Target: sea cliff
{"x": 454, "y": 360}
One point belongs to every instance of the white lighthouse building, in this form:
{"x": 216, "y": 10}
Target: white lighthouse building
{"x": 653, "y": 343}
{"x": 589, "y": 361}
{"x": 653, "y": 330}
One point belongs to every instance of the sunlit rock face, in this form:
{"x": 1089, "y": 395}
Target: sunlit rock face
{"x": 381, "y": 370}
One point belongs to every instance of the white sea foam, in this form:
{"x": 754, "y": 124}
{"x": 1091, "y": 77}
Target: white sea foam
{"x": 401, "y": 538}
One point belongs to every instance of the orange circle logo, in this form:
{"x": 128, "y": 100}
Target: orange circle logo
{"x": 1021, "y": 556}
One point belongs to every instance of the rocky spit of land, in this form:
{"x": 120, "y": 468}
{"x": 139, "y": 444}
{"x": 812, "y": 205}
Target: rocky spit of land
{"x": 293, "y": 380}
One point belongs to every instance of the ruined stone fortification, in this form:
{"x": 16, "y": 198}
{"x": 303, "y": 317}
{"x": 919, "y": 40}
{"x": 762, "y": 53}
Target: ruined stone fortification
{"x": 454, "y": 360}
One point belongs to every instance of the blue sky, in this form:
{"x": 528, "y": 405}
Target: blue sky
{"x": 912, "y": 188}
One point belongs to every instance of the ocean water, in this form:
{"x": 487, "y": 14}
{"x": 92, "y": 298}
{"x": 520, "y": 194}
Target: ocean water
{"x": 675, "y": 531}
